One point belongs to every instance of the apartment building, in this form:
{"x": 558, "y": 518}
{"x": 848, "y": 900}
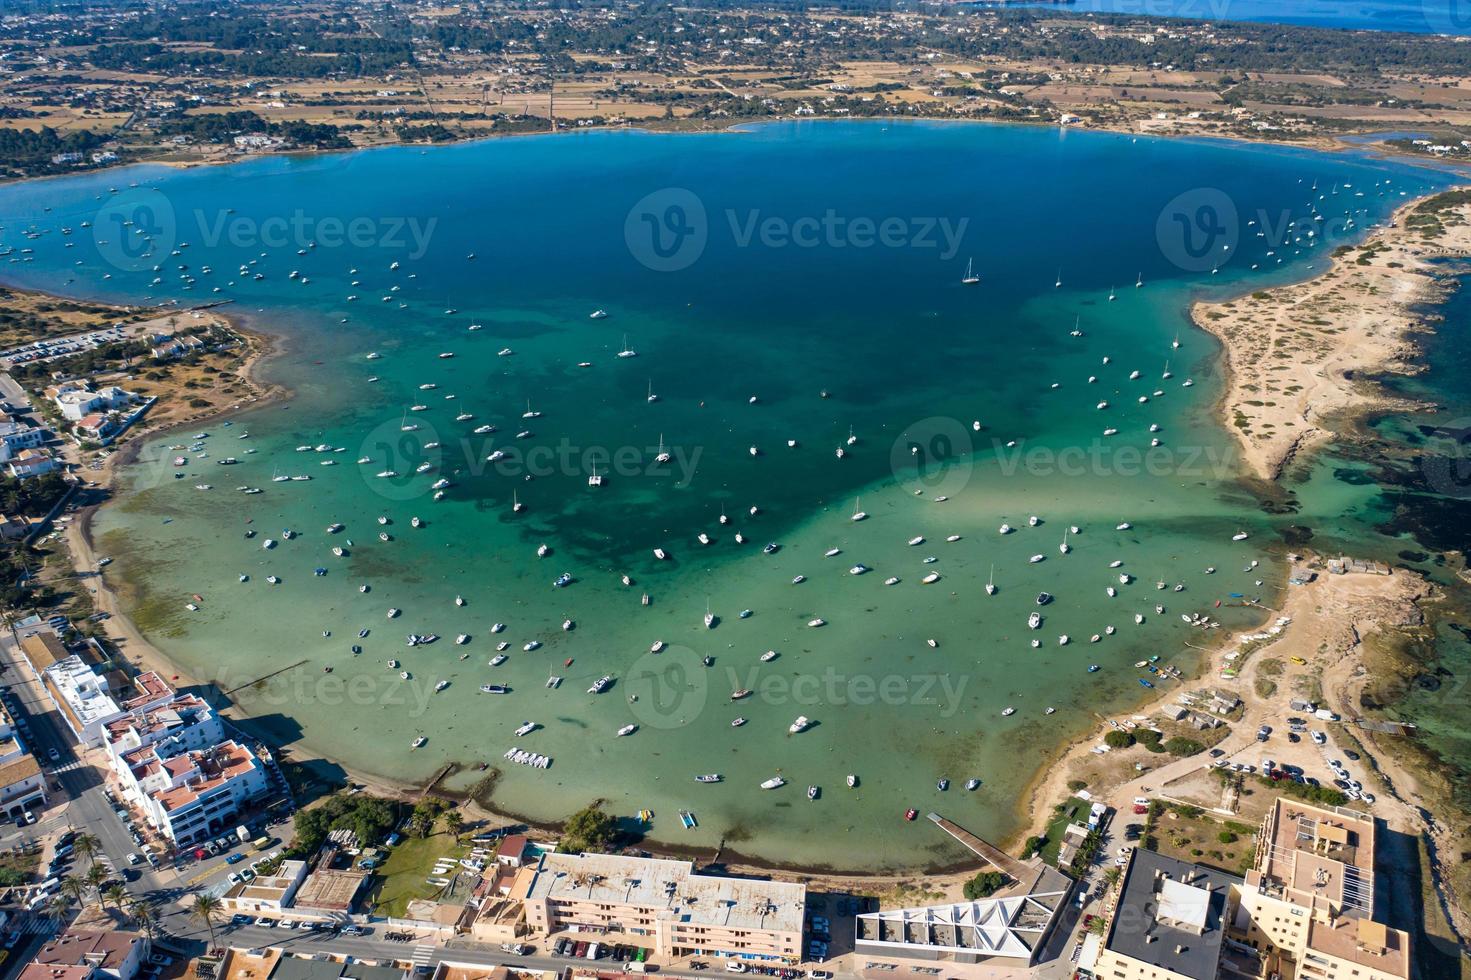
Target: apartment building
{"x": 666, "y": 905}
{"x": 15, "y": 436}
{"x": 1170, "y": 921}
{"x": 117, "y": 954}
{"x": 82, "y": 687}
{"x": 184, "y": 724}
{"x": 194, "y": 795}
{"x": 1307, "y": 905}
{"x": 1305, "y": 910}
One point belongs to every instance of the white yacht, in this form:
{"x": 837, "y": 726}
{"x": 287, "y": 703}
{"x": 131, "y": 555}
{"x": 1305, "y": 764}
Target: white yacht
{"x": 800, "y": 725}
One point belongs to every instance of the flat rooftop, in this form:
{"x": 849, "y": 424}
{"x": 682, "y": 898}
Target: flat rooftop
{"x": 1011, "y": 924}
{"x": 1171, "y": 915}
{"x": 330, "y": 890}
{"x": 672, "y": 889}
{"x": 1320, "y": 855}
{"x": 1363, "y": 942}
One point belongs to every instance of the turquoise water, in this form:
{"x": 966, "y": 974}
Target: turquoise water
{"x": 814, "y": 268}
{"x": 1408, "y": 16}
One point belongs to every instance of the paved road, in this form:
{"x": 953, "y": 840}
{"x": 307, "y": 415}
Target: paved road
{"x": 188, "y": 933}
{"x": 81, "y": 804}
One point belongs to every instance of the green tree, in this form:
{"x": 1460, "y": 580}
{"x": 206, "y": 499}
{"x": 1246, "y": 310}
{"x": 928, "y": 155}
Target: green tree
{"x": 73, "y": 888}
{"x": 95, "y": 877}
{"x": 454, "y": 823}
{"x": 145, "y": 917}
{"x": 116, "y": 894}
{"x": 589, "y": 829}
{"x": 1117, "y": 738}
{"x": 88, "y": 846}
{"x": 984, "y": 885}
{"x": 1182, "y": 746}
{"x": 205, "y": 908}
{"x": 60, "y": 905}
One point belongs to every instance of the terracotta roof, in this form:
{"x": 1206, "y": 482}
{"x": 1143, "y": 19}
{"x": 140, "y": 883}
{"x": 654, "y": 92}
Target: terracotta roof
{"x": 43, "y": 649}
{"x": 225, "y": 762}
{"x": 43, "y": 971}
{"x": 73, "y": 948}
{"x": 18, "y": 771}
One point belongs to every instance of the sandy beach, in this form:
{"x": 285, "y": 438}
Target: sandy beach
{"x": 1300, "y": 356}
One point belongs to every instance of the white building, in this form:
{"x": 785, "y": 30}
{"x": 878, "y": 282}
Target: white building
{"x": 194, "y": 796}
{"x": 22, "y": 785}
{"x": 184, "y": 724}
{"x": 77, "y": 402}
{"x": 15, "y": 436}
{"x": 80, "y": 688}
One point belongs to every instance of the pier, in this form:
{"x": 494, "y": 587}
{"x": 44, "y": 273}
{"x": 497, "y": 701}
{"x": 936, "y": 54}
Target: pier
{"x": 992, "y": 855}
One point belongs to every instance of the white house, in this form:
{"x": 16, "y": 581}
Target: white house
{"x": 15, "y": 436}
{"x": 195, "y": 795}
{"x": 184, "y": 724}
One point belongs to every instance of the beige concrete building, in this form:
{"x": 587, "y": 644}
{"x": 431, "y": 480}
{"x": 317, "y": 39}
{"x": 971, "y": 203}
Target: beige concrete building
{"x": 1307, "y": 905}
{"x": 666, "y": 905}
{"x": 1170, "y": 921}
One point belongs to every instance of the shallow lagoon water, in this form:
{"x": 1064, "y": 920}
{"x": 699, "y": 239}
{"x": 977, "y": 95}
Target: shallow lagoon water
{"x": 787, "y": 295}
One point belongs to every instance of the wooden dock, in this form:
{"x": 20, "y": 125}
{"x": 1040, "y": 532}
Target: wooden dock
{"x": 989, "y": 853}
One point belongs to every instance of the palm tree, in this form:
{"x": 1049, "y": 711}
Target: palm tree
{"x": 205, "y": 908}
{"x": 94, "y": 878}
{"x": 116, "y": 894}
{"x": 74, "y": 888}
{"x": 60, "y": 904}
{"x": 89, "y": 846}
{"x": 454, "y": 823}
{"x": 145, "y": 917}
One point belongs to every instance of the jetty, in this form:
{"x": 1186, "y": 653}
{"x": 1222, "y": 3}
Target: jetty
{"x": 991, "y": 854}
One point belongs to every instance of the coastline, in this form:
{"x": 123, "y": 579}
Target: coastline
{"x": 1353, "y": 321}
{"x": 1336, "y": 143}
{"x": 140, "y": 648}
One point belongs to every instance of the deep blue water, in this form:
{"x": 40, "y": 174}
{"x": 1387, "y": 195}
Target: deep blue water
{"x": 1408, "y": 16}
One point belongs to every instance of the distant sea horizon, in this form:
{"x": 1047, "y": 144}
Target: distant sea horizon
{"x": 1404, "y": 16}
